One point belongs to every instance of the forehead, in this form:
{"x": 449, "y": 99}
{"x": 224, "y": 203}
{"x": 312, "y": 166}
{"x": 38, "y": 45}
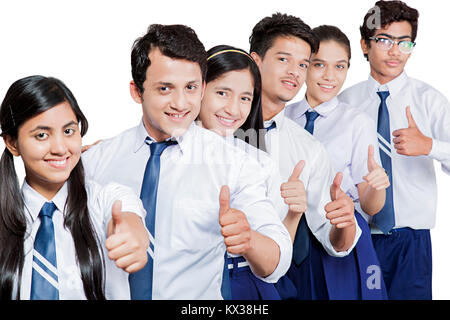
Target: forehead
{"x": 166, "y": 69}
{"x": 239, "y": 79}
{"x": 56, "y": 116}
{"x": 396, "y": 29}
{"x": 331, "y": 50}
{"x": 294, "y": 46}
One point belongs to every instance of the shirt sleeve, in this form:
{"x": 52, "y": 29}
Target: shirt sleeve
{"x": 439, "y": 110}
{"x": 250, "y": 196}
{"x": 108, "y": 194}
{"x": 318, "y": 196}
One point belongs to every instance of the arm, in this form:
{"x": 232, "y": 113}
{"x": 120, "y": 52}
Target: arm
{"x": 261, "y": 252}
{"x": 372, "y": 192}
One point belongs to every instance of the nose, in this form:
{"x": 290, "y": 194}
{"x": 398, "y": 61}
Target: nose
{"x": 294, "y": 70}
{"x": 329, "y": 73}
{"x": 58, "y": 145}
{"x": 394, "y": 51}
{"x": 232, "y": 107}
{"x": 179, "y": 101}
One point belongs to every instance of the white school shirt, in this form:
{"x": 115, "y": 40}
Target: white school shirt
{"x": 346, "y": 134}
{"x": 287, "y": 144}
{"x": 100, "y": 201}
{"x": 189, "y": 246}
{"x": 272, "y": 183}
{"x": 414, "y": 179}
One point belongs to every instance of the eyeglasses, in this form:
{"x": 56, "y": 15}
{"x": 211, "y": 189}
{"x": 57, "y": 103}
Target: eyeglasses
{"x": 386, "y": 44}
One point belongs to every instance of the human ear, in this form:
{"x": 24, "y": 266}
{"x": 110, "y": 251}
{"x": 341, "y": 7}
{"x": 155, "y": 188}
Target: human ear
{"x": 257, "y": 58}
{"x": 364, "y": 47}
{"x": 11, "y": 144}
{"x": 135, "y": 92}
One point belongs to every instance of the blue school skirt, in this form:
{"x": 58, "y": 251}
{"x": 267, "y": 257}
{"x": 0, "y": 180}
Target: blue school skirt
{"x": 323, "y": 277}
{"x": 245, "y": 285}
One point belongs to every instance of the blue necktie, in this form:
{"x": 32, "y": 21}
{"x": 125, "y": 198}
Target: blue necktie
{"x": 273, "y": 125}
{"x": 385, "y": 219}
{"x": 302, "y": 238}
{"x": 44, "y": 278}
{"x": 141, "y": 282}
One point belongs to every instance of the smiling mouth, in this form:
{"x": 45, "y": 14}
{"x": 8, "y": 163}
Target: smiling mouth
{"x": 327, "y": 87}
{"x": 393, "y": 63}
{"x": 177, "y": 116}
{"x": 58, "y": 164}
{"x": 290, "y": 84}
{"x": 226, "y": 121}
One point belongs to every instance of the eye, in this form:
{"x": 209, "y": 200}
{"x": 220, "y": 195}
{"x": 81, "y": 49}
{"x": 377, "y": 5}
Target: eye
{"x": 246, "y": 99}
{"x": 41, "y": 136}
{"x": 191, "y": 87}
{"x": 221, "y": 93}
{"x": 340, "y": 66}
{"x": 69, "y": 131}
{"x": 163, "y": 89}
{"x": 282, "y": 59}
{"x": 319, "y": 65}
{"x": 303, "y": 65}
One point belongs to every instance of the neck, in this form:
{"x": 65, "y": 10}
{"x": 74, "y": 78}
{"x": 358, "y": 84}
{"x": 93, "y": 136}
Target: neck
{"x": 48, "y": 191}
{"x": 312, "y": 102}
{"x": 271, "y": 108}
{"x": 382, "y": 78}
{"x": 155, "y": 133}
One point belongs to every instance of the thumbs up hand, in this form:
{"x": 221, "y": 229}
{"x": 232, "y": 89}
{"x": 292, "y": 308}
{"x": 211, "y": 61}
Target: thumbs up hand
{"x": 127, "y": 240}
{"x": 234, "y": 225}
{"x": 376, "y": 178}
{"x": 410, "y": 141}
{"x": 340, "y": 211}
{"x": 293, "y": 191}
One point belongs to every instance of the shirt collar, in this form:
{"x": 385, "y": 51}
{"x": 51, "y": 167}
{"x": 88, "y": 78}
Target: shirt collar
{"x": 34, "y": 200}
{"x": 183, "y": 140}
{"x": 278, "y": 119}
{"x": 323, "y": 109}
{"x": 394, "y": 86}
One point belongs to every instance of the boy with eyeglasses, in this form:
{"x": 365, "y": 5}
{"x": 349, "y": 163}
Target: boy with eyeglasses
{"x": 413, "y": 125}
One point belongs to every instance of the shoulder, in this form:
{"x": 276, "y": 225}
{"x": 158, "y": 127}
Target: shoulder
{"x": 353, "y": 92}
{"x": 112, "y": 145}
{"x": 425, "y": 90}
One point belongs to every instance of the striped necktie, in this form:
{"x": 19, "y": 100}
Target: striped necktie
{"x": 141, "y": 282}
{"x": 385, "y": 219}
{"x": 44, "y": 278}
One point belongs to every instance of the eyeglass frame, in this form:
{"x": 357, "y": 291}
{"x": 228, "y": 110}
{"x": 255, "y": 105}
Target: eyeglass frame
{"x": 392, "y": 41}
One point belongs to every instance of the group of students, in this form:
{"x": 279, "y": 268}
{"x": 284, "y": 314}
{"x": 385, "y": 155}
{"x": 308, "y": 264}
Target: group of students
{"x": 222, "y": 191}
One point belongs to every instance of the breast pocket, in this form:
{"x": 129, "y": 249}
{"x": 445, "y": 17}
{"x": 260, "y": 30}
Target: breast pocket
{"x": 195, "y": 225}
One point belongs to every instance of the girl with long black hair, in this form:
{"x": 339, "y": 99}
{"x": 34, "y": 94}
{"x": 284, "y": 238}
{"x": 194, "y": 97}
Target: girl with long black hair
{"x": 53, "y": 229}
{"x": 231, "y": 107}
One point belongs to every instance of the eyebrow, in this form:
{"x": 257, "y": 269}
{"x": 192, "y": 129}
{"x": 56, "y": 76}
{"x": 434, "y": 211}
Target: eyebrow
{"x": 392, "y": 37}
{"x": 320, "y": 60}
{"x": 170, "y": 84}
{"x": 228, "y": 89}
{"x": 46, "y": 128}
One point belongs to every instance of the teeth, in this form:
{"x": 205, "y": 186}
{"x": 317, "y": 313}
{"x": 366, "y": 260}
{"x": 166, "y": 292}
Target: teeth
{"x": 61, "y": 162}
{"x": 289, "y": 83}
{"x": 227, "y": 120}
{"x": 177, "y": 115}
{"x": 326, "y": 87}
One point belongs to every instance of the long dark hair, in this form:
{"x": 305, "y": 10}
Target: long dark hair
{"x": 325, "y": 33}
{"x": 25, "y": 99}
{"x": 223, "y": 59}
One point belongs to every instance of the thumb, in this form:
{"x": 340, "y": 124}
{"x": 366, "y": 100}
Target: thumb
{"x": 224, "y": 200}
{"x": 335, "y": 188}
{"x": 411, "y": 122}
{"x": 116, "y": 215}
{"x": 297, "y": 171}
{"x": 371, "y": 164}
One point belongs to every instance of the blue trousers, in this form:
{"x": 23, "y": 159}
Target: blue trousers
{"x": 406, "y": 261}
{"x": 246, "y": 286}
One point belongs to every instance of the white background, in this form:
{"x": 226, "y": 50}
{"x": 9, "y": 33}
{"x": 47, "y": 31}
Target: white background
{"x": 87, "y": 44}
